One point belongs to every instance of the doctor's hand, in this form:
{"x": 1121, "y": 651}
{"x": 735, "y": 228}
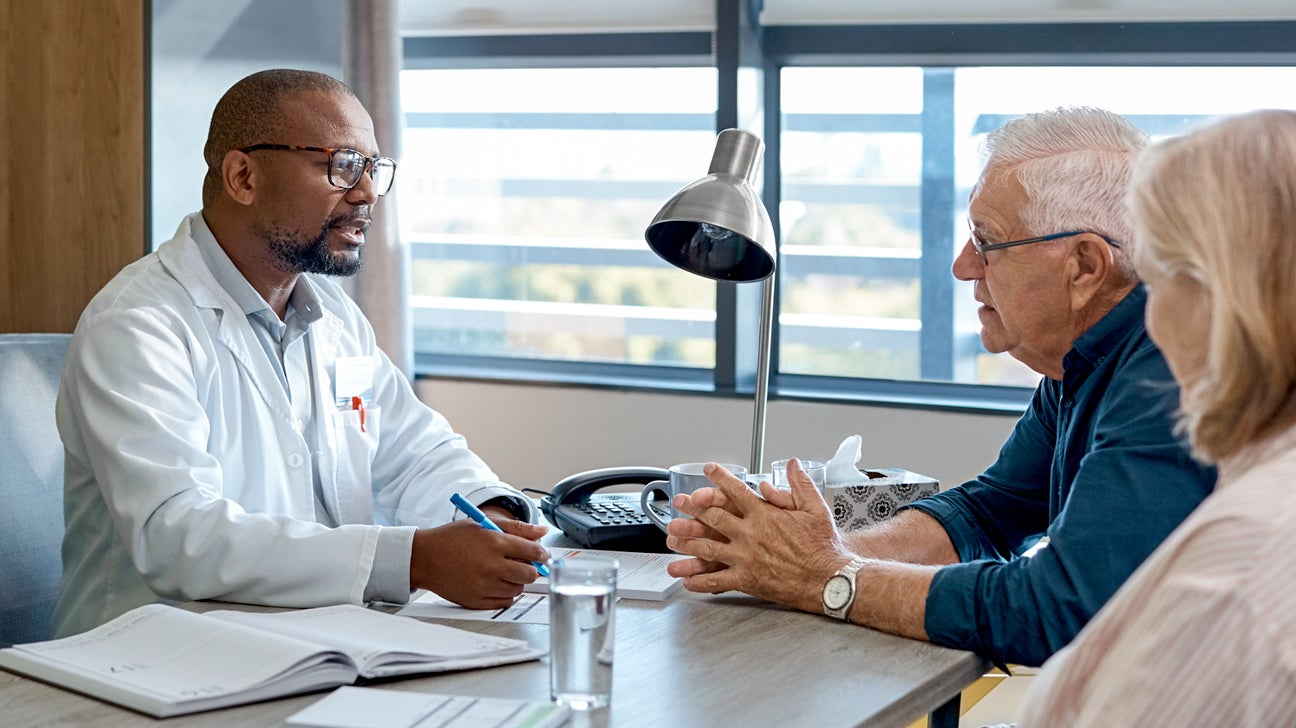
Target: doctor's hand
{"x": 476, "y": 567}
{"x": 781, "y": 548}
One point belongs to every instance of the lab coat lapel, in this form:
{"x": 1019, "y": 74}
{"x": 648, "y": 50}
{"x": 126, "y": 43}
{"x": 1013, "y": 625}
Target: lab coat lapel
{"x": 236, "y": 334}
{"x": 185, "y": 262}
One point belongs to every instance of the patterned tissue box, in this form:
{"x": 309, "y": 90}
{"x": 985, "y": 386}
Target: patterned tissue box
{"x": 864, "y": 503}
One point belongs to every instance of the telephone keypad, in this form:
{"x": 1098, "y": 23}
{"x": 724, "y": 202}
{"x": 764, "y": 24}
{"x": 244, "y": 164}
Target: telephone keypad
{"x": 610, "y": 512}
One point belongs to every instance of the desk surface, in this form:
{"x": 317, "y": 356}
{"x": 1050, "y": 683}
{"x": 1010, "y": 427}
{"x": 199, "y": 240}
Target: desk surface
{"x": 691, "y": 660}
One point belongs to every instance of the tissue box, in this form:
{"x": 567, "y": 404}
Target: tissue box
{"x": 863, "y": 503}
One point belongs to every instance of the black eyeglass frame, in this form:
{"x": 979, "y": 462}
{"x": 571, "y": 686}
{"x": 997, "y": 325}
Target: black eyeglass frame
{"x": 370, "y": 163}
{"x": 982, "y": 248}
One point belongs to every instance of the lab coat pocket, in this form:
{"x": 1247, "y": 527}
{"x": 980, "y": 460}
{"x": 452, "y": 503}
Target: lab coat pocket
{"x": 357, "y": 445}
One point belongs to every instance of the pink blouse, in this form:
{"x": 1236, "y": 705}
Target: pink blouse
{"x": 1204, "y": 632}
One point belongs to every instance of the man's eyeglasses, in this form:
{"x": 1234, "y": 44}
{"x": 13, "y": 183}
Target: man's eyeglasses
{"x": 982, "y": 247}
{"x": 346, "y": 166}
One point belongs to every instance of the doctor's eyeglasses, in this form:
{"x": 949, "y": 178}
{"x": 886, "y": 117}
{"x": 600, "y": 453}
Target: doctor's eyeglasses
{"x": 346, "y": 166}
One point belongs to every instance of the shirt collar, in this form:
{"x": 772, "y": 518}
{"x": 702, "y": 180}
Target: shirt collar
{"x": 304, "y": 299}
{"x": 1092, "y": 347}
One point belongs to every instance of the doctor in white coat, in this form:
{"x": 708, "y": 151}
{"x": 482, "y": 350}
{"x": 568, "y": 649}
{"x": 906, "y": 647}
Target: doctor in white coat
{"x": 232, "y": 429}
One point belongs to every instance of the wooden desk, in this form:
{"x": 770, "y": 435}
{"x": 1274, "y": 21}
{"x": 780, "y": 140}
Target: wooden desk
{"x": 692, "y": 660}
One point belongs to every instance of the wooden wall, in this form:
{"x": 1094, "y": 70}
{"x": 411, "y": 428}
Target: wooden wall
{"x": 72, "y": 152}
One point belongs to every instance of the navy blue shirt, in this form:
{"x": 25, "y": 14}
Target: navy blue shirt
{"x": 1093, "y": 464}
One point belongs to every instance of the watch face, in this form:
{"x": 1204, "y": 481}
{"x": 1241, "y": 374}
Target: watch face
{"x": 837, "y": 591}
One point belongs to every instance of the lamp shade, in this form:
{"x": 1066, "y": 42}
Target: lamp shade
{"x": 718, "y": 226}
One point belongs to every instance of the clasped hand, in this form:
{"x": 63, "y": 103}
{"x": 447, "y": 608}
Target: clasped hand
{"x": 780, "y": 547}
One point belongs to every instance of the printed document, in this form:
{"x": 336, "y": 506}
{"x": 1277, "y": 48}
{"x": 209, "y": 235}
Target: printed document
{"x": 351, "y": 707}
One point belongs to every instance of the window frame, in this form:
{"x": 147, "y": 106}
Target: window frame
{"x": 740, "y": 44}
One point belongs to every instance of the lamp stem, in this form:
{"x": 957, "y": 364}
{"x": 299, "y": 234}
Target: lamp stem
{"x": 762, "y": 373}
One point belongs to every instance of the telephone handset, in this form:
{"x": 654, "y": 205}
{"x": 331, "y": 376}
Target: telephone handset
{"x": 610, "y": 521}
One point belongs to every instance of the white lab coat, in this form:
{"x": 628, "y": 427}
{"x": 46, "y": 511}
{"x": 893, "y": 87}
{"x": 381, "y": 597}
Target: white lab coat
{"x": 185, "y": 478}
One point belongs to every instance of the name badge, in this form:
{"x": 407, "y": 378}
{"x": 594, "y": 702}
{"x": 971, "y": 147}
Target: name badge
{"x": 352, "y": 377}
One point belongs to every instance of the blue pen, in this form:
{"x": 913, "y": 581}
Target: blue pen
{"x": 471, "y": 511}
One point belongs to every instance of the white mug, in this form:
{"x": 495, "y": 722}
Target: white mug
{"x": 684, "y": 478}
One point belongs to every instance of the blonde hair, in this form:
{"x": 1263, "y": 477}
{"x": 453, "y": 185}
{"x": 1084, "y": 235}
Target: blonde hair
{"x": 1219, "y": 205}
{"x": 1074, "y": 164}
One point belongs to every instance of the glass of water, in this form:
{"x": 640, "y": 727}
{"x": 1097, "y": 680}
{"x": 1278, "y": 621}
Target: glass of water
{"x": 818, "y": 472}
{"x": 582, "y": 597}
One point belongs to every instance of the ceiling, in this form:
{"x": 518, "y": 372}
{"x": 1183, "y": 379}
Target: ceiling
{"x": 472, "y": 17}
{"x": 554, "y": 16}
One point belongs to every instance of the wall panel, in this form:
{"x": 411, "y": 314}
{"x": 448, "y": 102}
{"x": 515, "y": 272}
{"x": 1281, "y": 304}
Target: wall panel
{"x": 72, "y": 204}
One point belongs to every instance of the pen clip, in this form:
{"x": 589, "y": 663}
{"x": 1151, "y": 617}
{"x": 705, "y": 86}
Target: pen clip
{"x": 357, "y": 403}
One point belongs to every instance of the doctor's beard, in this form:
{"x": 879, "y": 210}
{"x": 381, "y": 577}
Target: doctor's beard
{"x": 313, "y": 256}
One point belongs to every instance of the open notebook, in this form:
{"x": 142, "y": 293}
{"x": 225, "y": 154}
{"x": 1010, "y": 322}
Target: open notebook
{"x": 166, "y": 661}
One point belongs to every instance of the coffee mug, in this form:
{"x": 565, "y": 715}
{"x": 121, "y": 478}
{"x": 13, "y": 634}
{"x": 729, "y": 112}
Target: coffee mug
{"x": 684, "y": 478}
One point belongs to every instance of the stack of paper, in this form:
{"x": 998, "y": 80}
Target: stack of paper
{"x": 639, "y": 575}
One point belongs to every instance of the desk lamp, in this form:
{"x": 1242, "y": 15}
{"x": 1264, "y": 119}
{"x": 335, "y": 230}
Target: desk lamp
{"x": 718, "y": 227}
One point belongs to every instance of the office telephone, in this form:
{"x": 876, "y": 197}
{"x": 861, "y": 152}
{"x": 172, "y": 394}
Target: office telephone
{"x": 610, "y": 521}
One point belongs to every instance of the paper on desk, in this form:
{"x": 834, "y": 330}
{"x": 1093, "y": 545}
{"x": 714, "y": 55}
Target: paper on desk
{"x": 527, "y": 609}
{"x": 352, "y": 707}
{"x": 639, "y": 575}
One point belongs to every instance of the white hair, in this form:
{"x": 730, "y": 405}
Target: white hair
{"x": 1074, "y": 164}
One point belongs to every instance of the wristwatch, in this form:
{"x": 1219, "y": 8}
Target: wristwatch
{"x": 839, "y": 590}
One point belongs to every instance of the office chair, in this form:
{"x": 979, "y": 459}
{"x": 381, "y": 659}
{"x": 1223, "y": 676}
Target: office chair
{"x": 31, "y": 485}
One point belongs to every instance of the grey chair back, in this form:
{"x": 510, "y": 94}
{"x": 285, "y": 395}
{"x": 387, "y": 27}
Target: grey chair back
{"x": 31, "y": 485}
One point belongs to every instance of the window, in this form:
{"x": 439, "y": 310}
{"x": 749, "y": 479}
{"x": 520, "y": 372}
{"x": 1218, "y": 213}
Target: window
{"x": 526, "y": 193}
{"x": 527, "y": 183}
{"x": 851, "y": 213}
{"x": 870, "y": 192}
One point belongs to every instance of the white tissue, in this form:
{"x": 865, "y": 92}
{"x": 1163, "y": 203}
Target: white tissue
{"x": 841, "y": 467}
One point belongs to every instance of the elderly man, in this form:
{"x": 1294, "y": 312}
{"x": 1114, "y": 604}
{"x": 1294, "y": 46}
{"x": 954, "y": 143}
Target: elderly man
{"x": 1093, "y": 464}
{"x": 232, "y": 429}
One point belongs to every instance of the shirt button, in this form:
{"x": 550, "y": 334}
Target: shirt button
{"x": 294, "y": 460}
{"x": 299, "y": 426}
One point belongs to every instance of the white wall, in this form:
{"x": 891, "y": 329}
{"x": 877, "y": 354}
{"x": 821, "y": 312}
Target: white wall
{"x": 534, "y": 435}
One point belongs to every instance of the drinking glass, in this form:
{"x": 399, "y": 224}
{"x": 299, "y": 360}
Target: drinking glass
{"x": 582, "y": 601}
